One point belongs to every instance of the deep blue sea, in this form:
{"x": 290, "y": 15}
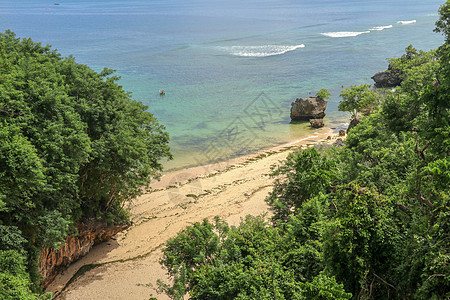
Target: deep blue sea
{"x": 230, "y": 68}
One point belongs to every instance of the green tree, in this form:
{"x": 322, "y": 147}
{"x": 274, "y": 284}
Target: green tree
{"x": 323, "y": 94}
{"x": 359, "y": 242}
{"x": 303, "y": 175}
{"x": 435, "y": 123}
{"x": 215, "y": 261}
{"x": 94, "y": 146}
{"x": 324, "y": 287}
{"x": 15, "y": 282}
{"x": 358, "y": 99}
{"x": 417, "y": 69}
{"x": 442, "y": 25}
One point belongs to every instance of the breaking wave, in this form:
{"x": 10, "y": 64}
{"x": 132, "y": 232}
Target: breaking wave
{"x": 379, "y": 28}
{"x": 260, "y": 51}
{"x": 406, "y": 22}
{"x": 342, "y": 34}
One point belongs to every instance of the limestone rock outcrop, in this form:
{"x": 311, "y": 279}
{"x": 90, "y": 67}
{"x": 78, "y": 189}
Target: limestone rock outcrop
{"x": 304, "y": 109}
{"x": 387, "y": 79}
{"x": 316, "y": 123}
{"x": 54, "y": 261}
{"x": 353, "y": 123}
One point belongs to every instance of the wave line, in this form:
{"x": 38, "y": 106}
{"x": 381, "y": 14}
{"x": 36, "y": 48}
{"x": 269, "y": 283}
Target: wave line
{"x": 260, "y": 51}
{"x": 342, "y": 34}
{"x": 380, "y": 28}
{"x": 406, "y": 22}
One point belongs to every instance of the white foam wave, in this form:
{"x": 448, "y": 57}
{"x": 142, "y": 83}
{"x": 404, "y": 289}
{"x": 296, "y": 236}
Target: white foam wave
{"x": 407, "y": 22}
{"x": 342, "y": 34}
{"x": 379, "y": 28}
{"x": 261, "y": 51}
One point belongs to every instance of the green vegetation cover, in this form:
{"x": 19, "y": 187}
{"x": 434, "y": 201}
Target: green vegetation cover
{"x": 73, "y": 146}
{"x": 369, "y": 220}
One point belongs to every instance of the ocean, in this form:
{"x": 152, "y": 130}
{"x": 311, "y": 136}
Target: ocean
{"x": 230, "y": 68}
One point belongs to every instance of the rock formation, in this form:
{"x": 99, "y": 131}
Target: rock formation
{"x": 316, "y": 123}
{"x": 304, "y": 109}
{"x": 338, "y": 143}
{"x": 387, "y": 79}
{"x": 54, "y": 261}
{"x": 353, "y": 123}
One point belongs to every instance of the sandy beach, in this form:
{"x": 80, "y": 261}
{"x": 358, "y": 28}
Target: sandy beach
{"x": 127, "y": 266}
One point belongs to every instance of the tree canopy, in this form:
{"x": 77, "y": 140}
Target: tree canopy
{"x": 358, "y": 99}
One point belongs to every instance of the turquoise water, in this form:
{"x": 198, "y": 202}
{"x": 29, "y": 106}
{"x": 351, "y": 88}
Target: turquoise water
{"x": 230, "y": 68}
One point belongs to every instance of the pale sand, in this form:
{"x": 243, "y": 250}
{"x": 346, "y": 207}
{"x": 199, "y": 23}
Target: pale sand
{"x": 130, "y": 261}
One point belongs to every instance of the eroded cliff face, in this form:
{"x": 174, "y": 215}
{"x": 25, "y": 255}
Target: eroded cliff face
{"x": 54, "y": 261}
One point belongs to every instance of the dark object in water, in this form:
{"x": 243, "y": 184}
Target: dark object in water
{"x": 162, "y": 93}
{"x": 56, "y": 3}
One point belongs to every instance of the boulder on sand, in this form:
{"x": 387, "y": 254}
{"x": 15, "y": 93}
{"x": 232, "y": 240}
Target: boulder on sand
{"x": 304, "y": 109}
{"x": 316, "y": 123}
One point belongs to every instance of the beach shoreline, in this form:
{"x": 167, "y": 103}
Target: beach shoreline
{"x": 127, "y": 266}
{"x": 206, "y": 169}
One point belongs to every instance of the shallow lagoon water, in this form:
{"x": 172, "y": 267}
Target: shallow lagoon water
{"x": 230, "y": 69}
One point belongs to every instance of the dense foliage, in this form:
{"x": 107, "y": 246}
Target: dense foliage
{"x": 73, "y": 146}
{"x": 253, "y": 261}
{"x": 369, "y": 220}
{"x": 359, "y": 99}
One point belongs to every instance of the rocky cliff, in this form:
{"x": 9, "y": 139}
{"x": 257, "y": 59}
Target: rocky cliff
{"x": 54, "y": 261}
{"x": 387, "y": 79}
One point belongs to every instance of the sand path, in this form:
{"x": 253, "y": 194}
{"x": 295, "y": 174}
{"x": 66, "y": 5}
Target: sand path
{"x": 127, "y": 267}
